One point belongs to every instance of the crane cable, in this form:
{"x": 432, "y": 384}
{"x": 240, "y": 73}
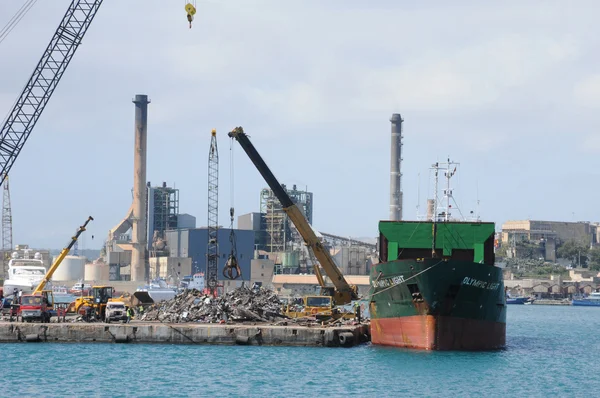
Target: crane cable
{"x": 232, "y": 268}
{"x": 14, "y": 21}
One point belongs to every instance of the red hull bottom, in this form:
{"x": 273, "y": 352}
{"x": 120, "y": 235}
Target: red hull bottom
{"x": 428, "y": 332}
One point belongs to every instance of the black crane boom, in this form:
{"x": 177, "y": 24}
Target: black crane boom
{"x": 343, "y": 292}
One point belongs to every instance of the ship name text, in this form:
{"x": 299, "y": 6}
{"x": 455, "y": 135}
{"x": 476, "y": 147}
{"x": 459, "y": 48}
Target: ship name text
{"x": 480, "y": 284}
{"x": 396, "y": 280}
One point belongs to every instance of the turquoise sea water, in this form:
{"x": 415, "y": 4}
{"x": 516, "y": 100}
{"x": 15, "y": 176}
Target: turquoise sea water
{"x": 551, "y": 351}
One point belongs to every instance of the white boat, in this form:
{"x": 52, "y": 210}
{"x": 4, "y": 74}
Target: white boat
{"x": 24, "y": 274}
{"x": 158, "y": 290}
{"x": 80, "y": 288}
{"x": 195, "y": 281}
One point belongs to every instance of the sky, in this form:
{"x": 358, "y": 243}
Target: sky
{"x": 510, "y": 90}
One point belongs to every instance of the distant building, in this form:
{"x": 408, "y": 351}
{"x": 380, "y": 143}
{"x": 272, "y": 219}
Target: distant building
{"x": 352, "y": 260}
{"x": 262, "y": 271}
{"x": 561, "y": 231}
{"x": 185, "y": 221}
{"x": 162, "y": 215}
{"x": 275, "y": 222}
{"x": 163, "y": 211}
{"x": 193, "y": 243}
{"x": 549, "y": 234}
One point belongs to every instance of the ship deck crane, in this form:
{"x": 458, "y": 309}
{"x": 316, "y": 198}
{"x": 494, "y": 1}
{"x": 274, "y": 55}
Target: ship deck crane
{"x": 60, "y": 258}
{"x": 342, "y": 292}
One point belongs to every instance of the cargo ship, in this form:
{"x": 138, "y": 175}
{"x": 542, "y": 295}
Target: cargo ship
{"x": 436, "y": 286}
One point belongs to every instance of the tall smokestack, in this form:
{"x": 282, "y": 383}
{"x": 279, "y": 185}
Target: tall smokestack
{"x": 138, "y": 235}
{"x": 395, "y": 174}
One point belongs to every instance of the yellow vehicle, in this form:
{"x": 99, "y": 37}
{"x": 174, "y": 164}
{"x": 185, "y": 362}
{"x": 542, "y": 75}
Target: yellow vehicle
{"x": 341, "y": 292}
{"x": 93, "y": 306}
{"x": 319, "y": 306}
{"x": 39, "y": 305}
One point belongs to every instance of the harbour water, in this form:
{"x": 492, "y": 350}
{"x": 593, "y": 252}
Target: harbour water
{"x": 550, "y": 350}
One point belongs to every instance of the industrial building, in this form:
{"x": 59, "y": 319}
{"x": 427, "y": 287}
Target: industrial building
{"x": 549, "y": 234}
{"x": 276, "y": 235}
{"x": 274, "y": 221}
{"x": 193, "y": 243}
{"x": 560, "y": 231}
{"x": 162, "y": 214}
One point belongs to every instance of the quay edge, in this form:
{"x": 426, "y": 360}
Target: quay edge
{"x": 185, "y": 333}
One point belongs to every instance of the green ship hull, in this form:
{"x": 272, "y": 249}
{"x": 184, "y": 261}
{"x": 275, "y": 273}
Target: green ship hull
{"x": 450, "y": 299}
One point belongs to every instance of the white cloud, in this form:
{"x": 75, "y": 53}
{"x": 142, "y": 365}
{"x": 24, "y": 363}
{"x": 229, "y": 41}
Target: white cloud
{"x": 587, "y": 91}
{"x": 590, "y": 144}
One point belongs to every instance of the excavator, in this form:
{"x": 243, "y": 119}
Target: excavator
{"x": 38, "y": 304}
{"x": 341, "y": 292}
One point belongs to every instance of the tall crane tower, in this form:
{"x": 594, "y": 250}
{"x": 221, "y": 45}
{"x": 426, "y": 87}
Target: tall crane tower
{"x": 212, "y": 252}
{"x": 45, "y": 77}
{"x": 6, "y": 227}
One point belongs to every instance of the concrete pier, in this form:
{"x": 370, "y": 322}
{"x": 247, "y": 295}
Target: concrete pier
{"x": 185, "y": 333}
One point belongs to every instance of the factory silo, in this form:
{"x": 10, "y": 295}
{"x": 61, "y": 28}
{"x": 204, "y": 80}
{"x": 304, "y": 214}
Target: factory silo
{"x": 72, "y": 268}
{"x": 96, "y": 271}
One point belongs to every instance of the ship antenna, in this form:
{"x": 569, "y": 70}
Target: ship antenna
{"x": 448, "y": 193}
{"x": 434, "y": 225}
{"x": 477, "y": 210}
{"x": 418, "y": 193}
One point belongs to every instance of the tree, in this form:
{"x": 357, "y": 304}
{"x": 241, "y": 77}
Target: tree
{"x": 594, "y": 259}
{"x": 528, "y": 250}
{"x": 573, "y": 250}
{"x": 501, "y": 252}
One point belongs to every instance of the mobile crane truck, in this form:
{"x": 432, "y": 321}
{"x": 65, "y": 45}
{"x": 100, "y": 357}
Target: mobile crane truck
{"x": 38, "y": 305}
{"x": 341, "y": 292}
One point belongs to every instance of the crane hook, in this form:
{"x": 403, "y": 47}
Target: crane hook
{"x": 191, "y": 11}
{"x": 232, "y": 268}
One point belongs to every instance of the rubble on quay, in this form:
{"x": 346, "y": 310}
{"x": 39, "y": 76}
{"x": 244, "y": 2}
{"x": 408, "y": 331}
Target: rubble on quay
{"x": 240, "y": 305}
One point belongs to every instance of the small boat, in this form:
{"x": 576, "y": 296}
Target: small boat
{"x": 517, "y": 300}
{"x": 60, "y": 290}
{"x": 80, "y": 289}
{"x": 593, "y": 300}
{"x": 195, "y": 281}
{"x": 159, "y": 290}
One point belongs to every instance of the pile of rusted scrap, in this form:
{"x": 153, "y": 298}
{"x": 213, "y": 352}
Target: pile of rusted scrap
{"x": 240, "y": 305}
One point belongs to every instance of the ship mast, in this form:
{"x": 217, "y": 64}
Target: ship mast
{"x": 448, "y": 200}
{"x": 435, "y": 203}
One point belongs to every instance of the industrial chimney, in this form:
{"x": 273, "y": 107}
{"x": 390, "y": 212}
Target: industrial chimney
{"x": 138, "y": 234}
{"x": 395, "y": 174}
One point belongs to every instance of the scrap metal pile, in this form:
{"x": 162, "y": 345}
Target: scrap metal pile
{"x": 240, "y": 305}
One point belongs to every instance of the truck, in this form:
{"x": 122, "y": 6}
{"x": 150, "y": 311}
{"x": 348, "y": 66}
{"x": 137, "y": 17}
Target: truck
{"x": 39, "y": 305}
{"x": 36, "y": 307}
{"x": 115, "y": 312}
